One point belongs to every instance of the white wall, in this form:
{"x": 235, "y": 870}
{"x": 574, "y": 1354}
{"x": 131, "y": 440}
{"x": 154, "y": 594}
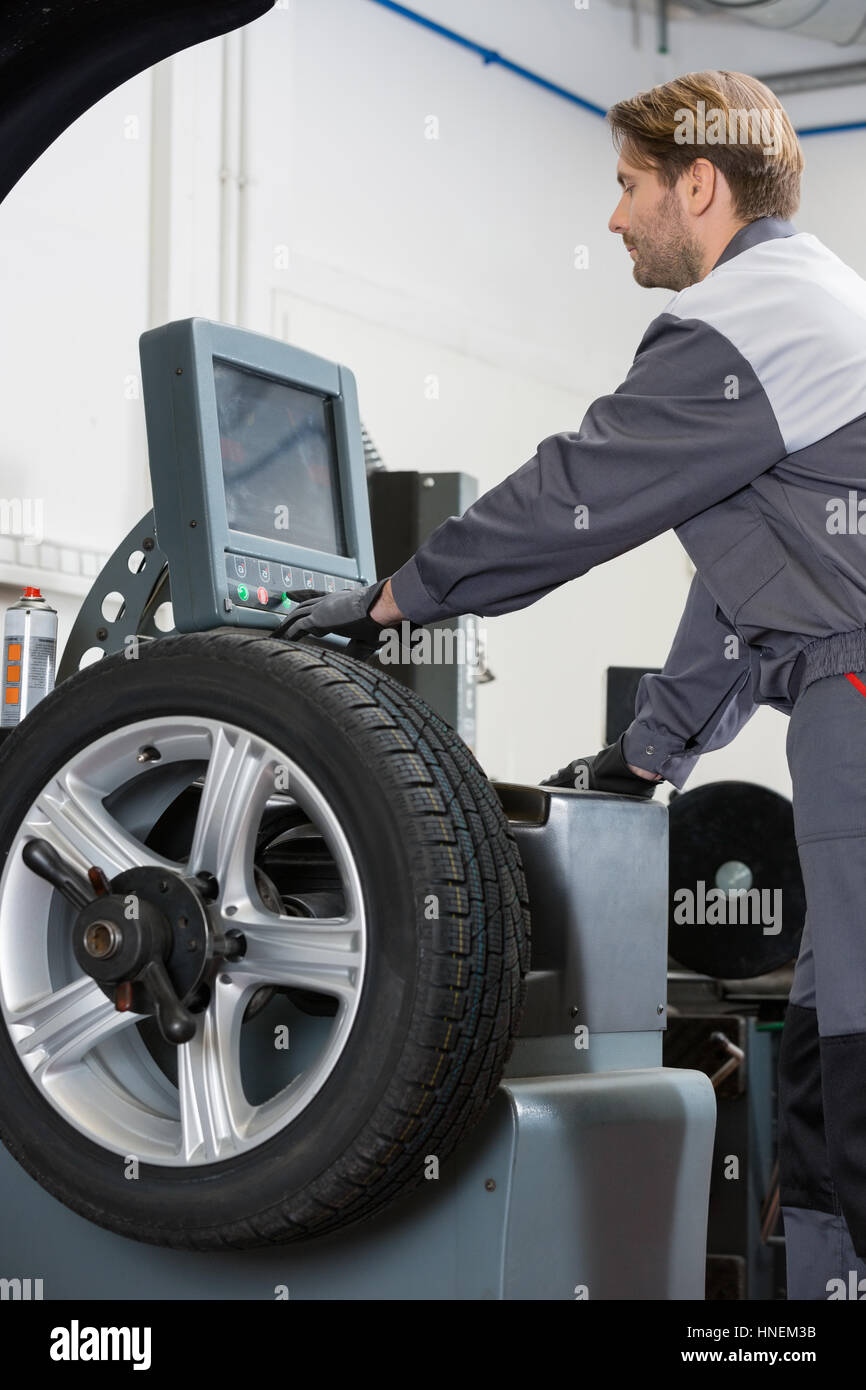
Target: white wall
{"x": 406, "y": 258}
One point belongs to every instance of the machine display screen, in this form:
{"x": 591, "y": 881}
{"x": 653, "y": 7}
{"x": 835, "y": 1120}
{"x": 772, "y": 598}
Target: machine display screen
{"x": 279, "y": 460}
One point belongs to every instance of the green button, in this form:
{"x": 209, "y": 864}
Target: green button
{"x": 287, "y": 602}
{"x": 243, "y": 593}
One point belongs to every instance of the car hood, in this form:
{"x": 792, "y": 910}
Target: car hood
{"x": 57, "y": 60}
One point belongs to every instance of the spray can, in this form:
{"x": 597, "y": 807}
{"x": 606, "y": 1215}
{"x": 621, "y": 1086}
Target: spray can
{"x": 29, "y": 650}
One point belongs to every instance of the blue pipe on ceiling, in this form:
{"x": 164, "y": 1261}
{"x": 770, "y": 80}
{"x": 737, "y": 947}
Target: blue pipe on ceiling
{"x": 490, "y": 55}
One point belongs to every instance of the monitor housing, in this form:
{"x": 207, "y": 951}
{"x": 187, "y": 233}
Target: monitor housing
{"x": 258, "y": 473}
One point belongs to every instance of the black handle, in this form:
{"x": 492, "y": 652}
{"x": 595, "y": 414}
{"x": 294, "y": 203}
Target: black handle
{"x": 43, "y": 859}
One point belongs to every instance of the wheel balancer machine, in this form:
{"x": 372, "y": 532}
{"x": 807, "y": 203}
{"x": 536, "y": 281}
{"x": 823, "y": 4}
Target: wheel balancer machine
{"x": 588, "y": 1176}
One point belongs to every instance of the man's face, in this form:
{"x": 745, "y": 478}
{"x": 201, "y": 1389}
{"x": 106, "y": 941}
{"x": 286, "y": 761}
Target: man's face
{"x": 651, "y": 219}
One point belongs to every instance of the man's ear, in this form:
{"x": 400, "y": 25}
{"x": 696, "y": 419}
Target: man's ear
{"x": 701, "y": 185}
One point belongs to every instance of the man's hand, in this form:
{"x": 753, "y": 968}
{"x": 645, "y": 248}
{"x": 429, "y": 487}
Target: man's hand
{"x": 349, "y": 613}
{"x": 608, "y": 771}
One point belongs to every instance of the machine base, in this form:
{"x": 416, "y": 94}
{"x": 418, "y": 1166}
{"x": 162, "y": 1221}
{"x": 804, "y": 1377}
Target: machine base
{"x": 589, "y": 1186}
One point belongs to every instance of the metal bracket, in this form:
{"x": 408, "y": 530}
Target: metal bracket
{"x": 144, "y": 590}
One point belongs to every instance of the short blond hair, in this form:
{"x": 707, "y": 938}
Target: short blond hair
{"x": 650, "y": 130}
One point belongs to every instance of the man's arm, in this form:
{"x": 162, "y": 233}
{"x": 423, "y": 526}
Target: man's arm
{"x": 704, "y": 691}
{"x": 699, "y": 700}
{"x": 668, "y": 443}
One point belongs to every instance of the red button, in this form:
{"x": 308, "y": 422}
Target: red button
{"x": 262, "y": 596}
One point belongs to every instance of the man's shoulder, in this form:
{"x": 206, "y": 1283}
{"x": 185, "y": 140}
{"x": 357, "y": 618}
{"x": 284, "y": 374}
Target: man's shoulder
{"x": 797, "y": 274}
{"x": 796, "y": 313}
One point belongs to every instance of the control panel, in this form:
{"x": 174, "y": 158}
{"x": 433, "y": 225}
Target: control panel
{"x": 266, "y": 586}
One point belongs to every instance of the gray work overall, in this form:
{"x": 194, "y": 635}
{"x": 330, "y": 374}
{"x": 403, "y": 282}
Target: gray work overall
{"x": 742, "y": 426}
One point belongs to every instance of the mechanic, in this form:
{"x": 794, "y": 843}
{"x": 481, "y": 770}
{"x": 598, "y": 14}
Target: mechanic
{"x": 741, "y": 425}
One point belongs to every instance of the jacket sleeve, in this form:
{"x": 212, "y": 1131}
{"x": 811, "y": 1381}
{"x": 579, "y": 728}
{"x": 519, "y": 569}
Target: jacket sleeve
{"x": 699, "y": 700}
{"x": 664, "y": 446}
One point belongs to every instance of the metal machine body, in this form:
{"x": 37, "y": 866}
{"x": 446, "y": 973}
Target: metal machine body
{"x": 587, "y": 1178}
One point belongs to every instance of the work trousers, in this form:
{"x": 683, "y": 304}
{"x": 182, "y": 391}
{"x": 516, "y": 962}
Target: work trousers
{"x": 822, "y": 1063}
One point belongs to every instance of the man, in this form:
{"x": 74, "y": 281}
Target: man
{"x": 742, "y": 426}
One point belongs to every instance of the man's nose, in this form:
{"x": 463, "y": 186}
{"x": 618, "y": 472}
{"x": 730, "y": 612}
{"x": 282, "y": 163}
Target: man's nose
{"x": 618, "y": 223}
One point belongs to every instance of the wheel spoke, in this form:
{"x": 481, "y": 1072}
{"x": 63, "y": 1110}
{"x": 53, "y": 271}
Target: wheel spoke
{"x": 323, "y": 954}
{"x": 238, "y": 779}
{"x": 214, "y": 1113}
{"x": 59, "y": 1030}
{"x": 71, "y": 816}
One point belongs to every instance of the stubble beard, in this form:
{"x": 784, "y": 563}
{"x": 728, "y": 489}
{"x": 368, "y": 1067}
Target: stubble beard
{"x": 667, "y": 256}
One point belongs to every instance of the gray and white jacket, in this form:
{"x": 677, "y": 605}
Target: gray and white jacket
{"x": 742, "y": 426}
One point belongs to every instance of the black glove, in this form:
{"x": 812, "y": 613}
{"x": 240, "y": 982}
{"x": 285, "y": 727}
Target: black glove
{"x": 608, "y": 771}
{"x": 345, "y": 612}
